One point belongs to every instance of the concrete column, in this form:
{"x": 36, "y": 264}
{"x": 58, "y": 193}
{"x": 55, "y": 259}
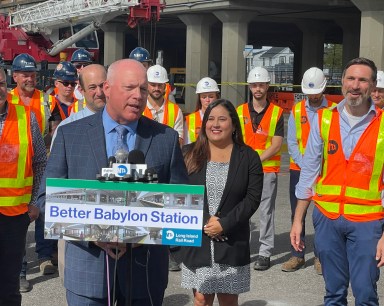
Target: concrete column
{"x": 233, "y": 65}
{"x": 372, "y": 36}
{"x": 312, "y": 54}
{"x": 351, "y": 39}
{"x": 372, "y": 30}
{"x": 197, "y": 55}
{"x": 114, "y": 41}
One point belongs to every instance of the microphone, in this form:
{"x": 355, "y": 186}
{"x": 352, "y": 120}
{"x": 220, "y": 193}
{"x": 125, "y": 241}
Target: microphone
{"x": 111, "y": 161}
{"x": 129, "y": 167}
{"x": 136, "y": 157}
{"x": 121, "y": 156}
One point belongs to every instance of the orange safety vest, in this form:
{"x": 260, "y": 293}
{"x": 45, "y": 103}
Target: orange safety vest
{"x": 302, "y": 128}
{"x": 62, "y": 114}
{"x": 78, "y": 106}
{"x": 262, "y": 138}
{"x": 168, "y": 91}
{"x": 351, "y": 188}
{"x": 16, "y": 152}
{"x": 171, "y": 111}
{"x": 193, "y": 124}
{"x": 38, "y": 106}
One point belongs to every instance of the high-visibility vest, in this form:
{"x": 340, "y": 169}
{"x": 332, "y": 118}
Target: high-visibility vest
{"x": 57, "y": 102}
{"x": 303, "y": 126}
{"x": 193, "y": 125}
{"x": 262, "y": 138}
{"x": 40, "y": 105}
{"x": 168, "y": 91}
{"x": 351, "y": 188}
{"x": 77, "y": 106}
{"x": 171, "y": 111}
{"x": 16, "y": 152}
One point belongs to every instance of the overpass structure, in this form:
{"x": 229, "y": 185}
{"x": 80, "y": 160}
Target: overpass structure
{"x": 193, "y": 33}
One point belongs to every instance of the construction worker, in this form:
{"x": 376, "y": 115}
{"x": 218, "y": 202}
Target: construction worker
{"x": 65, "y": 76}
{"x": 342, "y": 173}
{"x": 158, "y": 108}
{"x": 24, "y": 70}
{"x": 262, "y": 124}
{"x": 299, "y": 123}
{"x": 22, "y": 163}
{"x": 142, "y": 55}
{"x": 207, "y": 91}
{"x": 80, "y": 59}
{"x": 377, "y": 94}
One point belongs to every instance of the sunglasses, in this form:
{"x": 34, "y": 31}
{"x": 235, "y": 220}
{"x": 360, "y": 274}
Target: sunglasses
{"x": 66, "y": 84}
{"x": 80, "y": 65}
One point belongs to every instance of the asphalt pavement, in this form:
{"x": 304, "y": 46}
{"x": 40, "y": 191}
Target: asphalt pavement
{"x": 268, "y": 288}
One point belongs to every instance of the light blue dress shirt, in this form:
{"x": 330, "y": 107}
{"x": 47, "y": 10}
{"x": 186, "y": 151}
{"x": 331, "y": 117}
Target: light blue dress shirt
{"x": 313, "y": 152}
{"x": 293, "y": 146}
{"x": 111, "y": 136}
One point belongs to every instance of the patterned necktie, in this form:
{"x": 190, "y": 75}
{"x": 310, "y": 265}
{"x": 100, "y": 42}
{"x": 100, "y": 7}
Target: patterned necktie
{"x": 121, "y": 143}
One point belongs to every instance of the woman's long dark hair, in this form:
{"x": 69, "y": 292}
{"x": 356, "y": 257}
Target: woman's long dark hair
{"x": 199, "y": 152}
{"x": 198, "y": 102}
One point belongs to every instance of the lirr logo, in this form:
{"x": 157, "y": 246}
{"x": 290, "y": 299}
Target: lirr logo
{"x": 122, "y": 170}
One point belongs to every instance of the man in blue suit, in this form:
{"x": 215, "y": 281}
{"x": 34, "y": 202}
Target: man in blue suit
{"x": 80, "y": 150}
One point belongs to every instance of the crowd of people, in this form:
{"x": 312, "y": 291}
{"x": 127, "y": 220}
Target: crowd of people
{"x": 235, "y": 152}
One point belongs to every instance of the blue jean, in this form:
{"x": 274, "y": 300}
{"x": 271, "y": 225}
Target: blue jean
{"x": 347, "y": 253}
{"x": 294, "y": 176}
{"x": 44, "y": 247}
{"x": 13, "y": 233}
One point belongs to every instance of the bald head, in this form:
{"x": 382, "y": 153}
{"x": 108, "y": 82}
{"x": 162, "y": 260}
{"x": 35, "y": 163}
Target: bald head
{"x": 126, "y": 90}
{"x": 91, "y": 80}
{"x": 125, "y": 64}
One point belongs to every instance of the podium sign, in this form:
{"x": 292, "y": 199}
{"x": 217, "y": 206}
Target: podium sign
{"x": 143, "y": 213}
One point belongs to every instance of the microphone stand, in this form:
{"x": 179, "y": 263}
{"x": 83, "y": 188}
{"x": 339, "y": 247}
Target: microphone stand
{"x": 128, "y": 298}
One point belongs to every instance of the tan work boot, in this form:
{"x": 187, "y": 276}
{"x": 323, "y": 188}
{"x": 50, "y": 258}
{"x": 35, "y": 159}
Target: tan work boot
{"x": 293, "y": 264}
{"x": 46, "y": 267}
{"x": 317, "y": 266}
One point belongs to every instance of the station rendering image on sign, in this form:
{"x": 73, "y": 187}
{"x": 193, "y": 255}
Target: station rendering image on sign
{"x": 125, "y": 212}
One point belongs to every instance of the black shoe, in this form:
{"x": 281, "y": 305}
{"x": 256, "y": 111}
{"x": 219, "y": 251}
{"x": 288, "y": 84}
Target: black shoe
{"x": 262, "y": 263}
{"x": 24, "y": 284}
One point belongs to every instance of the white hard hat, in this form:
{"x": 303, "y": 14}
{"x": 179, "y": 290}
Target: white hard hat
{"x": 314, "y": 81}
{"x": 380, "y": 79}
{"x": 207, "y": 85}
{"x": 258, "y": 74}
{"x": 157, "y": 74}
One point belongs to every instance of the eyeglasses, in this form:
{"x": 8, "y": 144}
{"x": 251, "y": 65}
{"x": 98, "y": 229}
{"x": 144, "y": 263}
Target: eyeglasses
{"x": 80, "y": 65}
{"x": 66, "y": 84}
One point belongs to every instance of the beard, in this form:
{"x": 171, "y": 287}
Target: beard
{"x": 29, "y": 87}
{"x": 355, "y": 102}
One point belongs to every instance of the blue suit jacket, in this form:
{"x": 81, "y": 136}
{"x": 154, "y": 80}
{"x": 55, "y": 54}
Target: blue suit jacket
{"x": 79, "y": 152}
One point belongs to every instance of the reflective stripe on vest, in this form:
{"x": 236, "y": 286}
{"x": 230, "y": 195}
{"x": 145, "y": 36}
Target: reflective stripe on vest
{"x": 303, "y": 126}
{"x": 40, "y": 105}
{"x": 351, "y": 188}
{"x": 16, "y": 175}
{"x": 193, "y": 125}
{"x": 77, "y": 106}
{"x": 261, "y": 140}
{"x": 171, "y": 111}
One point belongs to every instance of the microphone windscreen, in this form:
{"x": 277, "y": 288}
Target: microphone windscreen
{"x": 136, "y": 157}
{"x": 121, "y": 156}
{"x": 111, "y": 161}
